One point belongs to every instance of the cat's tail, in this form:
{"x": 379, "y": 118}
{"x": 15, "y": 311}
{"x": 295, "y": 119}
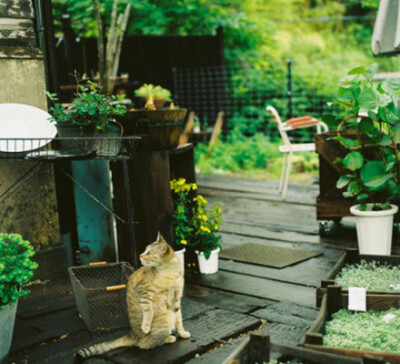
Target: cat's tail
{"x": 101, "y": 348}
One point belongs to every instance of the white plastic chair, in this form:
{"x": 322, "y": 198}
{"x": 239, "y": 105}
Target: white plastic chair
{"x": 288, "y": 148}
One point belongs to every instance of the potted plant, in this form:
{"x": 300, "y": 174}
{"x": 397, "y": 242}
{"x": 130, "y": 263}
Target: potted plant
{"x": 195, "y": 225}
{"x": 90, "y": 114}
{"x": 160, "y": 95}
{"x": 160, "y": 128}
{"x": 371, "y": 172}
{"x": 16, "y": 269}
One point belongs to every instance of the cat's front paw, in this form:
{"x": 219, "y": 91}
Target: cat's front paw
{"x": 146, "y": 328}
{"x": 184, "y": 334}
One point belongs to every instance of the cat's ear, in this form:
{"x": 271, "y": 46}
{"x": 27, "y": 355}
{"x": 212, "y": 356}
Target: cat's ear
{"x": 160, "y": 238}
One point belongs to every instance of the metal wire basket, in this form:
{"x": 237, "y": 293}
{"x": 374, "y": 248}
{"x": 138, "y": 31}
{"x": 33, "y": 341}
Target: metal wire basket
{"x": 100, "y": 294}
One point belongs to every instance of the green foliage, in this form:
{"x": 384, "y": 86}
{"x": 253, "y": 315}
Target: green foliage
{"x": 195, "y": 224}
{"x": 158, "y": 92}
{"x": 364, "y": 331}
{"x": 16, "y": 267}
{"x": 89, "y": 107}
{"x": 371, "y": 275}
{"x": 372, "y": 157}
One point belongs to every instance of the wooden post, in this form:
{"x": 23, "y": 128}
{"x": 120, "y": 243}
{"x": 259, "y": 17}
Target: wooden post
{"x": 334, "y": 303}
{"x": 150, "y": 198}
{"x": 258, "y": 350}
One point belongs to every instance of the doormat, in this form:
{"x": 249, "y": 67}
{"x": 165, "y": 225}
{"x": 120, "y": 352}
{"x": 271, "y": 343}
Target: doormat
{"x": 266, "y": 255}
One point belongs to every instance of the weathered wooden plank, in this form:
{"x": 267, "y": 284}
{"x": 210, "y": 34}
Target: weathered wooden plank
{"x": 289, "y": 314}
{"x": 268, "y": 195}
{"x": 284, "y": 334}
{"x": 63, "y": 350}
{"x": 16, "y": 9}
{"x": 212, "y": 326}
{"x": 17, "y": 32}
{"x": 220, "y": 353}
{"x": 258, "y": 287}
{"x": 247, "y": 184}
{"x": 305, "y": 273}
{"x": 48, "y": 327}
{"x": 220, "y": 299}
{"x": 192, "y": 308}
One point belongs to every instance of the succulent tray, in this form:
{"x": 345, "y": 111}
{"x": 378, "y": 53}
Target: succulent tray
{"x": 368, "y": 271}
{"x": 257, "y": 348}
{"x": 337, "y": 331}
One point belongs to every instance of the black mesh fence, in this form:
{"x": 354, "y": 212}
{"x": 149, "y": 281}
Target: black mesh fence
{"x": 244, "y": 92}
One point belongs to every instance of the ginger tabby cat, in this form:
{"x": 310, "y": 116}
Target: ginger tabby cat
{"x": 153, "y": 299}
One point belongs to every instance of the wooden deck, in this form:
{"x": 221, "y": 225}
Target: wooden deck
{"x": 220, "y": 309}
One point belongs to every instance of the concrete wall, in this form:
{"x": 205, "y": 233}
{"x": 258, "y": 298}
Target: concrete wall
{"x": 31, "y": 209}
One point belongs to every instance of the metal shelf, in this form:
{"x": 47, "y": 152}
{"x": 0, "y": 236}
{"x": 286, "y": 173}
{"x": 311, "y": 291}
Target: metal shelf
{"x": 71, "y": 148}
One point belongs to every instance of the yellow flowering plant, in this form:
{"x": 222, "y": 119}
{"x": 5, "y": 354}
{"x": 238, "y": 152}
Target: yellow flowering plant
{"x": 195, "y": 224}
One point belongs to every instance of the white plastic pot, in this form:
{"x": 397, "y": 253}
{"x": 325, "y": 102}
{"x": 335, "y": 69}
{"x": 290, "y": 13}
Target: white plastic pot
{"x": 374, "y": 229}
{"x": 180, "y": 254}
{"x": 210, "y": 265}
{"x": 7, "y": 320}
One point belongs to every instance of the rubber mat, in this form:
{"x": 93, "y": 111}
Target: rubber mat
{"x": 267, "y": 255}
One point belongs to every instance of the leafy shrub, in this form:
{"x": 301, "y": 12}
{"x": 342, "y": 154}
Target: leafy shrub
{"x": 16, "y": 267}
{"x": 364, "y": 331}
{"x": 370, "y": 275}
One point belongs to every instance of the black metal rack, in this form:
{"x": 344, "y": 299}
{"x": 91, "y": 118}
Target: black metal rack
{"x": 70, "y": 148}
{"x": 47, "y": 150}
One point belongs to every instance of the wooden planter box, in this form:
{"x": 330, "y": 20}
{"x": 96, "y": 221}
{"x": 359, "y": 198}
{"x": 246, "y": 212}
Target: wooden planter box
{"x": 335, "y": 300}
{"x": 352, "y": 256}
{"x": 257, "y": 349}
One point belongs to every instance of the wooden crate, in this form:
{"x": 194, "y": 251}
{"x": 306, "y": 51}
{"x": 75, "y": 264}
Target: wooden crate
{"x": 352, "y": 256}
{"x": 335, "y": 300}
{"x": 258, "y": 348}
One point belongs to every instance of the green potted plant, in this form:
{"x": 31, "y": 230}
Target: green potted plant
{"x": 160, "y": 95}
{"x": 160, "y": 128}
{"x": 16, "y": 269}
{"x": 90, "y": 114}
{"x": 371, "y": 172}
{"x": 196, "y": 226}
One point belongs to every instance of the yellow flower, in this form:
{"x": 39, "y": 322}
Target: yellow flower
{"x": 183, "y": 242}
{"x": 205, "y": 229}
{"x": 216, "y": 227}
{"x": 181, "y": 181}
{"x": 204, "y": 218}
{"x": 194, "y": 186}
{"x": 219, "y": 210}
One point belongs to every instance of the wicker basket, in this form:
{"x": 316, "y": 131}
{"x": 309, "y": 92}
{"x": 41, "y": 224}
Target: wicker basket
{"x": 100, "y": 294}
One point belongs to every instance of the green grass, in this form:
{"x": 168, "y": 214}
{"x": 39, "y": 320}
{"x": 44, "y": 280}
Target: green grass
{"x": 364, "y": 331}
{"x": 370, "y": 275}
{"x": 254, "y": 157}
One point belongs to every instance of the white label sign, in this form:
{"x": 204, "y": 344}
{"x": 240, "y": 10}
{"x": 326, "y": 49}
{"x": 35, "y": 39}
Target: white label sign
{"x": 388, "y": 317}
{"x": 357, "y": 299}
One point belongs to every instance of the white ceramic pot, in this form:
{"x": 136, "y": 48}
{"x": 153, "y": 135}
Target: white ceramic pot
{"x": 374, "y": 229}
{"x": 7, "y": 320}
{"x": 210, "y": 265}
{"x": 180, "y": 254}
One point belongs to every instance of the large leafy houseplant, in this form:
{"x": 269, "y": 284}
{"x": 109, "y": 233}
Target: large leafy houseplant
{"x": 16, "y": 267}
{"x": 195, "y": 224}
{"x": 371, "y": 162}
{"x": 371, "y": 119}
